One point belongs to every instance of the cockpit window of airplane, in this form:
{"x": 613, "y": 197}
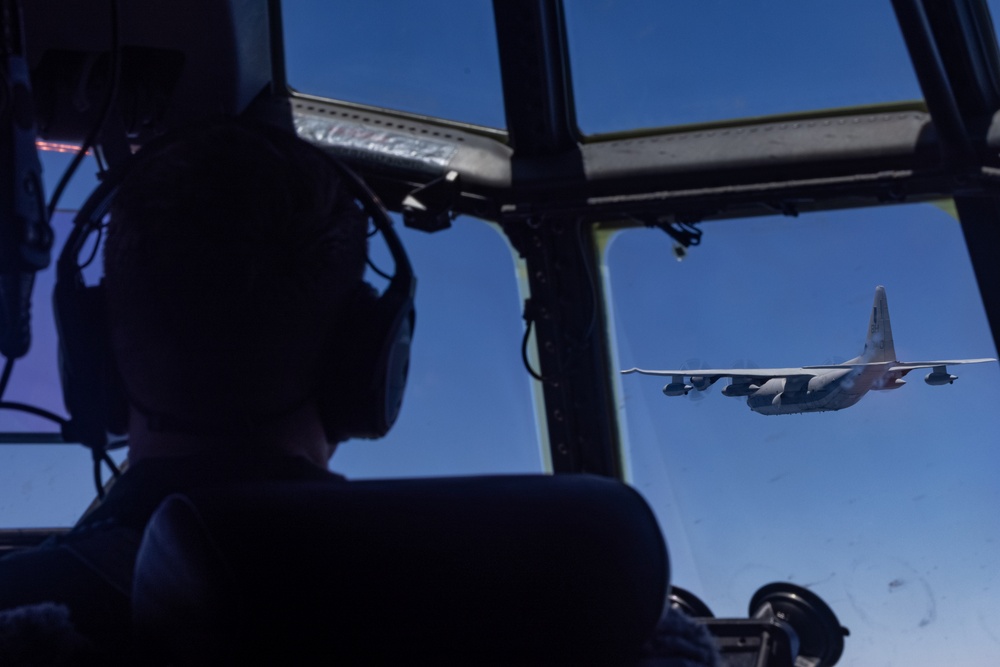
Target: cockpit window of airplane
{"x": 468, "y": 407}
{"x": 412, "y": 57}
{"x": 788, "y": 458}
{"x": 722, "y": 60}
{"x": 883, "y": 508}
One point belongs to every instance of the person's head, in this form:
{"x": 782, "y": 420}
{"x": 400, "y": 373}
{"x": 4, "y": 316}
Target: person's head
{"x": 230, "y": 254}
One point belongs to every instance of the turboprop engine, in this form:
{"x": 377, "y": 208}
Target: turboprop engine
{"x": 702, "y": 383}
{"x": 939, "y": 376}
{"x": 677, "y": 386}
{"x": 740, "y": 389}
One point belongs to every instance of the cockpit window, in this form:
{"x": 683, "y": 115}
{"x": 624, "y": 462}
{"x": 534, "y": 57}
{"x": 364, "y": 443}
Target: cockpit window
{"x": 43, "y": 483}
{"x": 886, "y": 508}
{"x": 661, "y": 64}
{"x": 468, "y": 407}
{"x": 435, "y": 58}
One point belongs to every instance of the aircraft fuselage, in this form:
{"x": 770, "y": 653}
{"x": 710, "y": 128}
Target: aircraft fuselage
{"x": 834, "y": 390}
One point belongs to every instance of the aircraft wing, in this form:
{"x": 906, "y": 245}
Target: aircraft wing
{"x": 716, "y": 373}
{"x": 913, "y": 365}
{"x": 746, "y": 380}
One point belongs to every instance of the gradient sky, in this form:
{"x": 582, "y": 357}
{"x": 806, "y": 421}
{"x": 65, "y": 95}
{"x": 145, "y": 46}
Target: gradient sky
{"x": 886, "y": 509}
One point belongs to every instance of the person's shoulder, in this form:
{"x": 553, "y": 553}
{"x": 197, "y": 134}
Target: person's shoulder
{"x": 276, "y": 468}
{"x": 49, "y": 572}
{"x": 96, "y": 551}
{"x": 301, "y": 468}
{"x": 44, "y": 633}
{"x": 87, "y": 572}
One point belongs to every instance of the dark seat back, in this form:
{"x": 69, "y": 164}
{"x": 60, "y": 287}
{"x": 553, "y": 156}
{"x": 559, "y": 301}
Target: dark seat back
{"x": 511, "y": 570}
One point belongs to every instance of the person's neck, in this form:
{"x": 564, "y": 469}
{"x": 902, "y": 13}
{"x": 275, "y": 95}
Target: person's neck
{"x": 297, "y": 434}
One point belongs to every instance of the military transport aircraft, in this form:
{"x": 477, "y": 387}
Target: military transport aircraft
{"x": 783, "y": 391}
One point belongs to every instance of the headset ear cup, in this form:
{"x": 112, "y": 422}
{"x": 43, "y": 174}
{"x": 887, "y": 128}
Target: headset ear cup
{"x": 92, "y": 390}
{"x": 397, "y": 368}
{"x": 368, "y": 367}
{"x": 115, "y": 397}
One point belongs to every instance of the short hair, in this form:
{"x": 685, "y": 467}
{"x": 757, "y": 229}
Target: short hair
{"x": 230, "y": 254}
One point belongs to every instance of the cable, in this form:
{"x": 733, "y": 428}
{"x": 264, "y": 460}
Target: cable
{"x": 31, "y": 409}
{"x": 529, "y": 317}
{"x": 100, "y": 456}
{"x": 109, "y": 99}
{"x": 98, "y": 482}
{"x": 8, "y": 368}
{"x": 368, "y": 260}
{"x": 93, "y": 251}
{"x": 529, "y": 309}
{"x": 111, "y": 464}
{"x": 371, "y": 265}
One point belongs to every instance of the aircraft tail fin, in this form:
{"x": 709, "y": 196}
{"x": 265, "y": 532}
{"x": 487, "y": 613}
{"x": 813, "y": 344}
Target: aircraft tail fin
{"x": 879, "y": 345}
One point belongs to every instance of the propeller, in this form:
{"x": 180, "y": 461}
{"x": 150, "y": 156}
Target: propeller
{"x": 697, "y": 394}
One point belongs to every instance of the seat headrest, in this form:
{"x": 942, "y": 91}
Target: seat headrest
{"x": 509, "y": 569}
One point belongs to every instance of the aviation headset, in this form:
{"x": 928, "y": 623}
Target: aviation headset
{"x": 359, "y": 396}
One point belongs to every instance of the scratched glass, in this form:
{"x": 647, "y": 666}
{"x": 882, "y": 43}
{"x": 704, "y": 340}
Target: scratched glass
{"x": 886, "y": 509}
{"x": 672, "y": 63}
{"x": 436, "y": 58}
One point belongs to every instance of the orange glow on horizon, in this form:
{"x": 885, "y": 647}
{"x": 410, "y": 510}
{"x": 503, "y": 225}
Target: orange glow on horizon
{"x": 56, "y": 147}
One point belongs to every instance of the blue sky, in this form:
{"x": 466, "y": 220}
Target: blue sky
{"x": 900, "y": 489}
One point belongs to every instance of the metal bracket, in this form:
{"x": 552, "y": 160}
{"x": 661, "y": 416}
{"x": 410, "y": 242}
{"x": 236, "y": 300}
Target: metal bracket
{"x": 428, "y": 208}
{"x": 683, "y": 231}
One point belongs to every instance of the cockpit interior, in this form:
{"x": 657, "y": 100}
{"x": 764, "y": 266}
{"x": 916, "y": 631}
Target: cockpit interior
{"x": 582, "y": 187}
